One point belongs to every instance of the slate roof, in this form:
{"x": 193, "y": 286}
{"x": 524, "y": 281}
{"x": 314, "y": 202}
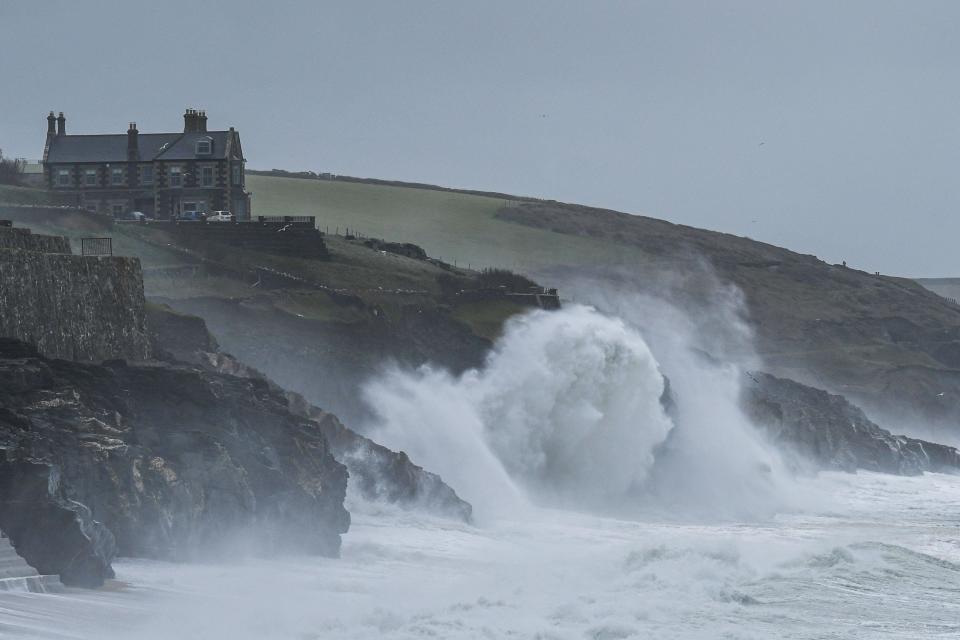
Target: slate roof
{"x": 185, "y": 147}
{"x": 113, "y": 147}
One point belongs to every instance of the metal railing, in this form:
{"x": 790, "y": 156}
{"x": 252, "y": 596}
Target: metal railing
{"x": 96, "y": 246}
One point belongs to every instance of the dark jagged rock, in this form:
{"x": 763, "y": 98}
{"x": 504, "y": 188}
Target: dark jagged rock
{"x": 54, "y": 534}
{"x": 175, "y": 461}
{"x": 835, "y": 434}
{"x": 177, "y": 336}
{"x": 376, "y": 472}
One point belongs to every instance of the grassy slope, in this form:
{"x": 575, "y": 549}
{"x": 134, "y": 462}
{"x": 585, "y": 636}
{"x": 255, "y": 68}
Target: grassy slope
{"x": 27, "y": 195}
{"x": 946, "y": 287}
{"x": 451, "y": 226}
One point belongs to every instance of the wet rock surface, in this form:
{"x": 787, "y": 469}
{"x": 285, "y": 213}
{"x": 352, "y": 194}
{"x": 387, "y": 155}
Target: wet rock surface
{"x": 833, "y": 433}
{"x": 377, "y": 474}
{"x": 173, "y": 461}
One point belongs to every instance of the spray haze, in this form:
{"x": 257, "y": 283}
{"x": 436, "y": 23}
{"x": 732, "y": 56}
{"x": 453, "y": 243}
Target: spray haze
{"x": 570, "y": 410}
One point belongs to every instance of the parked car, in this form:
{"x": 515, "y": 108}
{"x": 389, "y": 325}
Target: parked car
{"x": 134, "y": 215}
{"x": 220, "y": 216}
{"x": 192, "y": 216}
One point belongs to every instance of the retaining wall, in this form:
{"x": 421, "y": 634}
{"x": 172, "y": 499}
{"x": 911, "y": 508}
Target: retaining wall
{"x": 72, "y": 307}
{"x": 18, "y": 238}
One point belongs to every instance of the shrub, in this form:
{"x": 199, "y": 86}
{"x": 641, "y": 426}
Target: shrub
{"x": 11, "y": 170}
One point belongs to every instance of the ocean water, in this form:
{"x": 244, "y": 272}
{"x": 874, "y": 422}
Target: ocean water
{"x": 881, "y": 560}
{"x": 601, "y": 513}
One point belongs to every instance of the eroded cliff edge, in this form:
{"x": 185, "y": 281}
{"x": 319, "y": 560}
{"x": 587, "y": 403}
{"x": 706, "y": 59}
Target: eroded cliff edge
{"x": 175, "y": 462}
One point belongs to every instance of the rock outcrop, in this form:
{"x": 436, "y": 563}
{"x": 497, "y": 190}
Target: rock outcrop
{"x": 381, "y": 474}
{"x": 172, "y": 461}
{"x": 832, "y": 433}
{"x": 376, "y": 472}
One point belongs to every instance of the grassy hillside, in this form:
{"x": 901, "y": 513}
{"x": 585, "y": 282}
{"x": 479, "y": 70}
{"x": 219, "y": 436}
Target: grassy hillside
{"x": 27, "y": 195}
{"x": 316, "y": 326}
{"x": 946, "y": 287}
{"x": 453, "y": 226}
{"x": 884, "y": 341}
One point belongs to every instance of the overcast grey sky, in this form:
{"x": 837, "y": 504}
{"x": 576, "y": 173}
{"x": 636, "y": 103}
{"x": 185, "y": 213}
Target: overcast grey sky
{"x": 828, "y": 127}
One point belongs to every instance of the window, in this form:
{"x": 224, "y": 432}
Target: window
{"x": 206, "y": 176}
{"x": 146, "y": 175}
{"x": 203, "y": 147}
{"x": 116, "y": 176}
{"x": 118, "y": 210}
{"x": 236, "y": 174}
{"x": 63, "y": 177}
{"x": 176, "y": 180}
{"x": 90, "y": 177}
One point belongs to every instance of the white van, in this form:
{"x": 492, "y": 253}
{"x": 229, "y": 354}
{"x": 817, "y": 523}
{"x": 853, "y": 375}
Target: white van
{"x": 220, "y": 216}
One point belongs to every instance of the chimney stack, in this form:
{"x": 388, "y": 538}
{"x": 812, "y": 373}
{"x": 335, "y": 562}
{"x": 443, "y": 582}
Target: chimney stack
{"x": 133, "y": 143}
{"x": 51, "y": 124}
{"x": 61, "y": 125}
{"x": 202, "y": 122}
{"x": 190, "y": 120}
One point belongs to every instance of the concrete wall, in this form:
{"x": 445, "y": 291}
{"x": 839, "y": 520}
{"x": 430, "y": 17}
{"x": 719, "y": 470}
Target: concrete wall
{"x": 73, "y": 307}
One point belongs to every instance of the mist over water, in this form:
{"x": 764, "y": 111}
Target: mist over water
{"x": 611, "y": 504}
{"x": 572, "y": 409}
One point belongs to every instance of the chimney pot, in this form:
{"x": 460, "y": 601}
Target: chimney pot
{"x": 61, "y": 125}
{"x": 51, "y": 124}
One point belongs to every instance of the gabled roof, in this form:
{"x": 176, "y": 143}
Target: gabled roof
{"x": 152, "y": 146}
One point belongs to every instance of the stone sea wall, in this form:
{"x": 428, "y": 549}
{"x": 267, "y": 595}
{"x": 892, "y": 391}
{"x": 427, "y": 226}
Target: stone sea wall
{"x": 18, "y": 238}
{"x": 71, "y": 307}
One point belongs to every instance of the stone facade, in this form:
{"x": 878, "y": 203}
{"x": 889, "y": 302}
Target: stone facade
{"x": 68, "y": 306}
{"x": 159, "y": 174}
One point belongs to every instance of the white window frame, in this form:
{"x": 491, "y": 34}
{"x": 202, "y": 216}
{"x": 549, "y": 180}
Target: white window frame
{"x": 146, "y": 174}
{"x": 87, "y": 175}
{"x": 116, "y": 176}
{"x": 237, "y": 174}
{"x": 63, "y": 177}
{"x": 203, "y": 176}
{"x": 208, "y": 147}
{"x": 176, "y": 174}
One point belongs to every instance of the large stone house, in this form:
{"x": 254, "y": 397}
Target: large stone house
{"x": 160, "y": 174}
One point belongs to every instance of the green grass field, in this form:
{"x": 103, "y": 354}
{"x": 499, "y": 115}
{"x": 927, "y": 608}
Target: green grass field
{"x": 452, "y": 226}
{"x": 26, "y": 195}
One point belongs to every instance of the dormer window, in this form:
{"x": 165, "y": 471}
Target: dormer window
{"x": 204, "y": 147}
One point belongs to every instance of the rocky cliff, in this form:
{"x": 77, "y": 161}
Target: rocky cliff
{"x": 74, "y": 307}
{"x": 832, "y": 433}
{"x": 170, "y": 461}
{"x": 376, "y": 473}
